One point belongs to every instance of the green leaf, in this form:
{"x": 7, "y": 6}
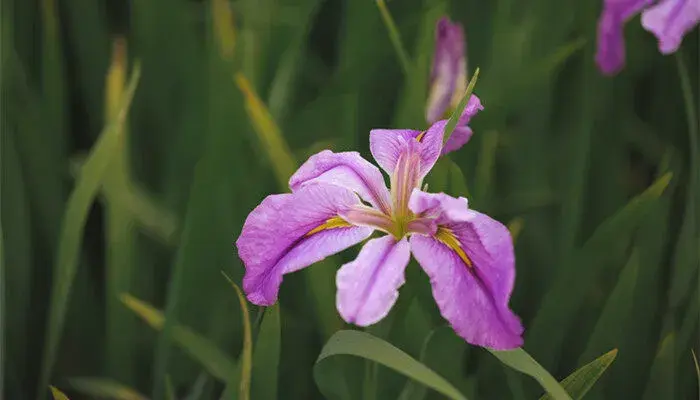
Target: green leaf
{"x": 519, "y": 360}
{"x": 697, "y": 367}
{"x": 266, "y": 356}
{"x": 169, "y": 388}
{"x": 454, "y": 118}
{"x": 583, "y": 379}
{"x": 360, "y": 344}
{"x": 102, "y": 388}
{"x": 269, "y": 134}
{"x": 395, "y": 37}
{"x": 246, "y": 360}
{"x": 444, "y": 351}
{"x": 57, "y": 394}
{"x": 74, "y": 219}
{"x": 198, "y": 347}
{"x": 609, "y": 329}
{"x": 563, "y": 298}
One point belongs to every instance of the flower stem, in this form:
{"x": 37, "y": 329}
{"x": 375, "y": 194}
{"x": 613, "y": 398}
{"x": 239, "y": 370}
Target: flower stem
{"x": 395, "y": 37}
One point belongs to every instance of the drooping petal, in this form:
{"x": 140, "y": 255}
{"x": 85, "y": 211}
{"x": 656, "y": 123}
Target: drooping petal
{"x": 368, "y": 287}
{"x": 287, "y": 232}
{"x": 346, "y": 169}
{"x": 460, "y": 136}
{"x": 610, "y": 54}
{"x": 670, "y": 20}
{"x": 449, "y": 66}
{"x": 470, "y": 110}
{"x": 471, "y": 265}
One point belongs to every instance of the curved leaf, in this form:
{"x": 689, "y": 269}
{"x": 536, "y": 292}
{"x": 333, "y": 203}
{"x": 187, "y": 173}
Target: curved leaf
{"x": 102, "y": 388}
{"x": 200, "y": 348}
{"x": 57, "y": 394}
{"x": 266, "y": 356}
{"x": 583, "y": 379}
{"x": 246, "y": 360}
{"x": 519, "y": 360}
{"x": 364, "y": 345}
{"x": 74, "y": 220}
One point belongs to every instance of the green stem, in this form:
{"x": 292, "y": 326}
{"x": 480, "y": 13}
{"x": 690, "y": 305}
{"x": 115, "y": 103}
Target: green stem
{"x": 395, "y": 37}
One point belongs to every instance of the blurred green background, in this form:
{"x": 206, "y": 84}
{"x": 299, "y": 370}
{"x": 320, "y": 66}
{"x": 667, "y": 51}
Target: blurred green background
{"x": 232, "y": 96}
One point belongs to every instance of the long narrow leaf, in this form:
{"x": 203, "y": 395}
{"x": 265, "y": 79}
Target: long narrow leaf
{"x": 198, "y": 347}
{"x": 266, "y": 356}
{"x": 102, "y": 388}
{"x": 246, "y": 360}
{"x": 360, "y": 344}
{"x": 519, "y": 360}
{"x": 74, "y": 220}
{"x": 583, "y": 379}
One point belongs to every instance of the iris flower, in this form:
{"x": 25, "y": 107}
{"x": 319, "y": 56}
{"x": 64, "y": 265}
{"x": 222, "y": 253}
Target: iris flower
{"x": 339, "y": 199}
{"x": 448, "y": 81}
{"x": 668, "y": 20}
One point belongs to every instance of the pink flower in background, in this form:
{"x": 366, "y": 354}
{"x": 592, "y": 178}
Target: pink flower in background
{"x": 668, "y": 20}
{"x": 339, "y": 199}
{"x": 448, "y": 82}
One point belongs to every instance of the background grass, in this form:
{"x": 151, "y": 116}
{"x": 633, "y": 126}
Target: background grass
{"x": 232, "y": 96}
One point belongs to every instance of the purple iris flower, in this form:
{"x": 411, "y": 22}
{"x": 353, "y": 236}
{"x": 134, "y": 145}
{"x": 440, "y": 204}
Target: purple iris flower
{"x": 668, "y": 20}
{"x": 340, "y": 199}
{"x": 448, "y": 82}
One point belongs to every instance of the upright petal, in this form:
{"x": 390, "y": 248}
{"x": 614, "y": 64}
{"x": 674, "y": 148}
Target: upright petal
{"x": 368, "y": 287}
{"x": 386, "y": 145}
{"x": 287, "y": 232}
{"x": 670, "y": 20}
{"x": 449, "y": 66}
{"x": 347, "y": 169}
{"x": 471, "y": 265}
{"x": 610, "y": 55}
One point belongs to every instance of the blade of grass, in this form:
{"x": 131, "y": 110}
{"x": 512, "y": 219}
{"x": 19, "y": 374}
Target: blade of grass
{"x": 583, "y": 379}
{"x": 74, "y": 220}
{"x": 269, "y": 135}
{"x": 169, "y": 388}
{"x": 266, "y": 356}
{"x": 687, "y": 266}
{"x": 697, "y": 368}
{"x": 454, "y": 118}
{"x": 395, "y": 37}
{"x": 57, "y": 394}
{"x": 519, "y": 360}
{"x": 246, "y": 360}
{"x": 105, "y": 389}
{"x": 119, "y": 239}
{"x": 561, "y": 302}
{"x": 360, "y": 344}
{"x": 216, "y": 362}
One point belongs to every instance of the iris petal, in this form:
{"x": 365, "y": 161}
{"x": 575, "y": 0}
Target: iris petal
{"x": 471, "y": 265}
{"x": 670, "y": 20}
{"x": 368, "y": 286}
{"x": 348, "y": 170}
{"x": 282, "y": 235}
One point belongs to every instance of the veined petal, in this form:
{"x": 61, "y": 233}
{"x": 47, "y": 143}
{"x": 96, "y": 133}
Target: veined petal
{"x": 471, "y": 265}
{"x": 610, "y": 54}
{"x": 287, "y": 232}
{"x": 386, "y": 145}
{"x": 368, "y": 287}
{"x": 449, "y": 66}
{"x": 670, "y": 20}
{"x": 460, "y": 136}
{"x": 348, "y": 170}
